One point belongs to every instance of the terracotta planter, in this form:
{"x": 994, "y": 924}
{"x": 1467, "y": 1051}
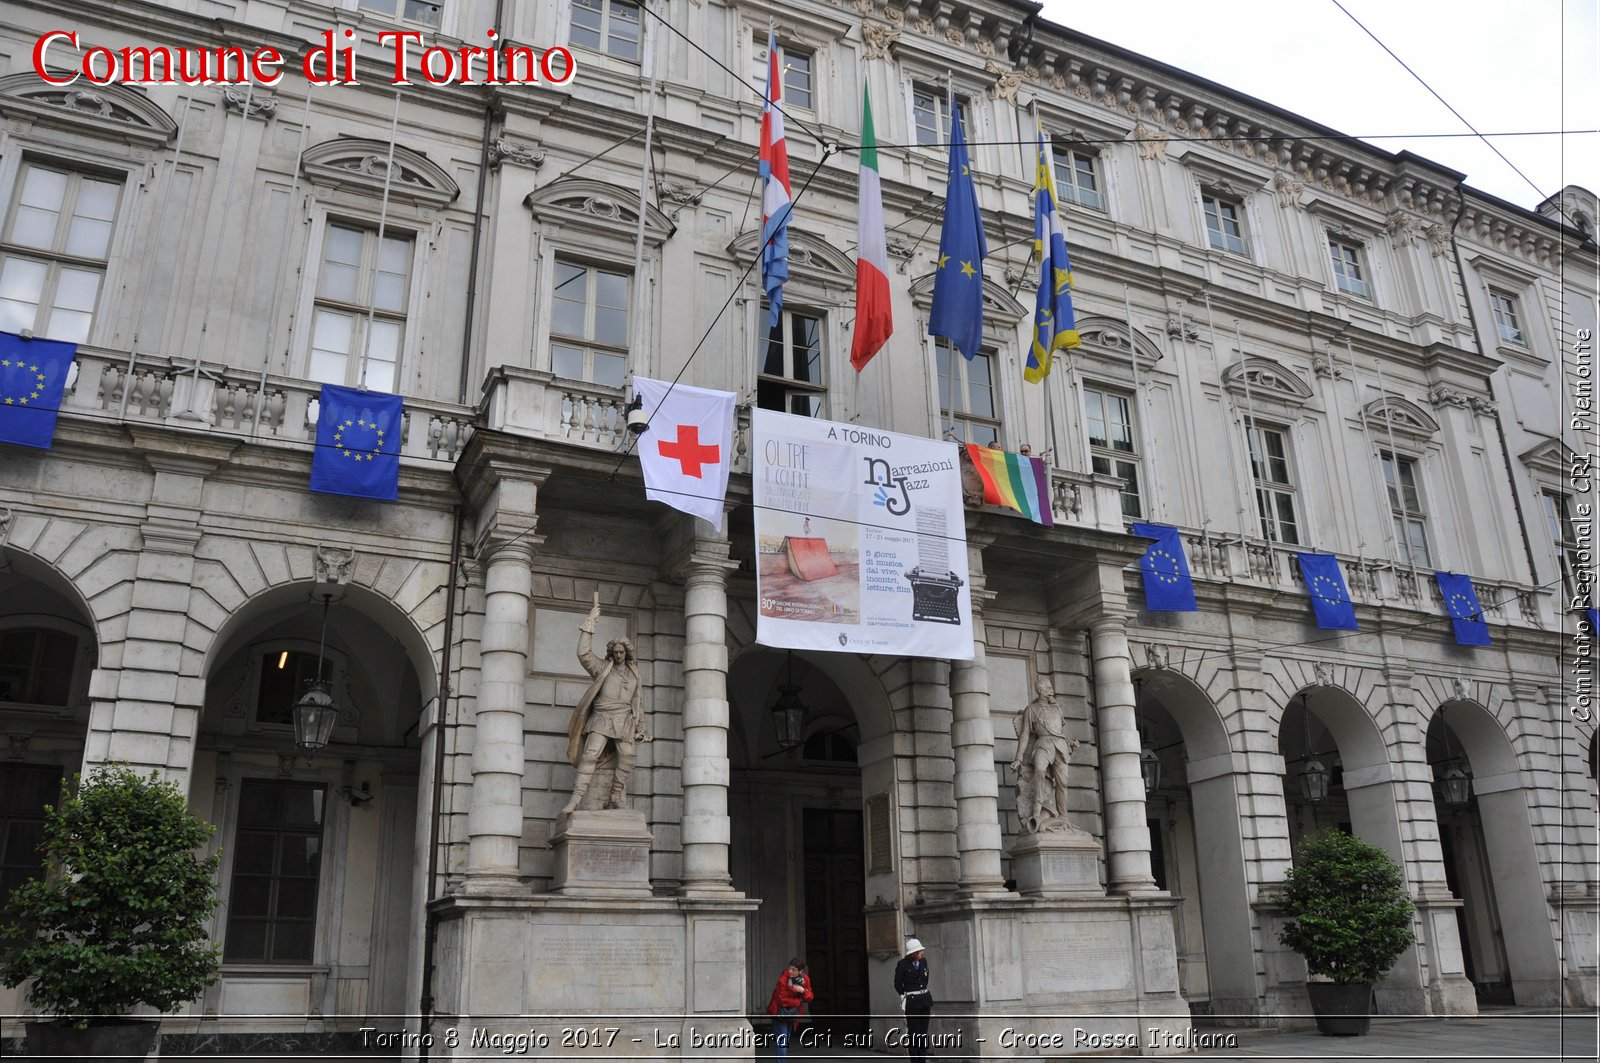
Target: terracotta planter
{"x": 111, "y": 1042}
{"x": 1341, "y": 1010}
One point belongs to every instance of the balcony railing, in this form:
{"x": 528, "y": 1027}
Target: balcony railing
{"x": 107, "y": 385}
{"x": 1371, "y": 581}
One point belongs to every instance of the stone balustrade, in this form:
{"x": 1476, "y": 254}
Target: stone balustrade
{"x": 108, "y": 385}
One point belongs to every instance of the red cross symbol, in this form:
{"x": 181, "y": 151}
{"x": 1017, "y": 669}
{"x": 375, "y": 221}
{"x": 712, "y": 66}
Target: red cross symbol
{"x": 688, "y": 451}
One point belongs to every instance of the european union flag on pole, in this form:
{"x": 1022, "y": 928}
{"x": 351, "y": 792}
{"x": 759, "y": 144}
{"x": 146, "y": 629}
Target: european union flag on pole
{"x": 358, "y": 444}
{"x": 1330, "y": 597}
{"x": 32, "y": 376}
{"x": 1168, "y": 587}
{"x": 1461, "y": 605}
{"x": 1594, "y": 622}
{"x": 957, "y": 312}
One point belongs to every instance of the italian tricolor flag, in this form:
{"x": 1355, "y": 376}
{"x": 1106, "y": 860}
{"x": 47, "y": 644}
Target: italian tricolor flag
{"x": 874, "y": 318}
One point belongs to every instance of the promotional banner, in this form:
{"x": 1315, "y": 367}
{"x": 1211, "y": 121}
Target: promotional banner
{"x": 861, "y": 539}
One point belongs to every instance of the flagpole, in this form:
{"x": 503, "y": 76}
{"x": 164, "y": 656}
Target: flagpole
{"x": 277, "y": 290}
{"x": 1399, "y": 484}
{"x": 1138, "y": 396}
{"x": 1049, "y": 412}
{"x": 383, "y": 221}
{"x": 166, "y": 209}
{"x": 189, "y": 412}
{"x": 1250, "y": 405}
{"x": 641, "y": 301}
{"x": 1372, "y": 477}
{"x": 1205, "y": 511}
{"x": 1228, "y": 407}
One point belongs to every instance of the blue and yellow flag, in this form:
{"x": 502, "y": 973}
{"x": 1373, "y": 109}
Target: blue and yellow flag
{"x": 32, "y": 376}
{"x": 358, "y": 444}
{"x": 1330, "y": 597}
{"x": 1461, "y": 606}
{"x": 1054, "y": 324}
{"x": 1168, "y": 587}
{"x": 957, "y": 312}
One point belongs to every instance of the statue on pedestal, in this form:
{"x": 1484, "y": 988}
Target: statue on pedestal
{"x": 1043, "y": 753}
{"x": 608, "y": 720}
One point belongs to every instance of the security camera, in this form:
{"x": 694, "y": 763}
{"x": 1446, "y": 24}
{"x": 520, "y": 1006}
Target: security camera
{"x": 357, "y": 797}
{"x": 638, "y": 420}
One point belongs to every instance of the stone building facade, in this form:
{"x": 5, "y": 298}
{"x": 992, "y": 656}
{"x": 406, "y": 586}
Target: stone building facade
{"x": 1291, "y": 341}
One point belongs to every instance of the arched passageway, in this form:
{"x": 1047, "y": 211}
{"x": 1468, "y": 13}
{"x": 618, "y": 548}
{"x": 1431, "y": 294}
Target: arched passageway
{"x": 320, "y": 852}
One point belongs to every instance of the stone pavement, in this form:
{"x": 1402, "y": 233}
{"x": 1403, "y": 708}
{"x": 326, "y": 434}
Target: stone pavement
{"x": 1501, "y": 1034}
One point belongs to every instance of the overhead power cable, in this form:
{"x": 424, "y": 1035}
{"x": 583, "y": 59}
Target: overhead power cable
{"x": 1434, "y": 93}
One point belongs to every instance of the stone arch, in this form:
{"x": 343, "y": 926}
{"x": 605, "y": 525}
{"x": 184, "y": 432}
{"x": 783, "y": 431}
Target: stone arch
{"x": 235, "y": 631}
{"x": 235, "y": 581}
{"x": 1499, "y": 794}
{"x": 96, "y": 565}
{"x": 1217, "y": 781}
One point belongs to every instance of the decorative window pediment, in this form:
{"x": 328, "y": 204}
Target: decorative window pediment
{"x": 1406, "y": 419}
{"x": 352, "y": 163}
{"x": 108, "y": 112}
{"x": 811, "y": 258}
{"x": 1267, "y": 382}
{"x": 1102, "y": 335}
{"x": 1342, "y": 221}
{"x": 597, "y": 208}
{"x": 1551, "y": 458}
{"x": 1499, "y": 272}
{"x": 1224, "y": 175}
{"x": 999, "y": 307}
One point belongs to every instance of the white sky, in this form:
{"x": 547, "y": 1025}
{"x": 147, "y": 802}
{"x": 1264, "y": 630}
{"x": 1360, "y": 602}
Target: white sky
{"x": 1506, "y": 65}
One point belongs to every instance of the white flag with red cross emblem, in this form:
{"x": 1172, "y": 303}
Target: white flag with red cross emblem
{"x": 686, "y": 450}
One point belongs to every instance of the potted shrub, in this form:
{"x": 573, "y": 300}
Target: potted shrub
{"x": 117, "y": 921}
{"x": 1350, "y": 917}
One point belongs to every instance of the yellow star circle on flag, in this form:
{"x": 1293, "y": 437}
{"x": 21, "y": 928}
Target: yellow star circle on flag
{"x": 38, "y": 385}
{"x": 1164, "y": 577}
{"x": 1461, "y": 607}
{"x": 354, "y": 452}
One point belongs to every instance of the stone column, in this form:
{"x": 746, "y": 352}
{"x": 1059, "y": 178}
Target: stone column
{"x": 1127, "y": 836}
{"x": 494, "y": 821}
{"x": 706, "y": 826}
{"x": 972, "y": 737}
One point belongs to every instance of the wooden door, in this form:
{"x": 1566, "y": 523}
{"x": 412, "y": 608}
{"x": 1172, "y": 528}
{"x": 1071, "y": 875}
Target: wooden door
{"x": 835, "y": 922}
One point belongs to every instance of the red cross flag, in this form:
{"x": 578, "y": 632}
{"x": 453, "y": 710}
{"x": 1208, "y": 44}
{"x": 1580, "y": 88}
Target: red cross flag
{"x": 685, "y": 453}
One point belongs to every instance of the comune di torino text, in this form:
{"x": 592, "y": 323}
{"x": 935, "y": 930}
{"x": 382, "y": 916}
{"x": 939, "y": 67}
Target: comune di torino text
{"x": 60, "y": 58}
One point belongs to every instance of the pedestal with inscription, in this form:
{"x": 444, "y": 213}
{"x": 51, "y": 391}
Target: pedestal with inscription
{"x": 1052, "y": 976}
{"x": 602, "y": 854}
{"x": 1057, "y": 863}
{"x": 593, "y": 971}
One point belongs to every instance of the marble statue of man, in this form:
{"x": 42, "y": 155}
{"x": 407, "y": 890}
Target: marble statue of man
{"x": 1043, "y": 753}
{"x": 608, "y": 720}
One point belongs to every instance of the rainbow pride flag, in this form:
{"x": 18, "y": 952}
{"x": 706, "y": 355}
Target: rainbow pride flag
{"x": 1016, "y": 481}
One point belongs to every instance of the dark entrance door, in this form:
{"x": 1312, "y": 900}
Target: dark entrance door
{"x": 836, "y": 927}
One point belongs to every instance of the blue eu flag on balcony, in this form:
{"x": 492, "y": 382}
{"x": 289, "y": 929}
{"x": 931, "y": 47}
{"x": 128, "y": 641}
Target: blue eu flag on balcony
{"x": 358, "y": 444}
{"x": 1168, "y": 587}
{"x": 1461, "y": 606}
{"x": 32, "y": 376}
{"x": 1330, "y": 597}
{"x": 957, "y": 311}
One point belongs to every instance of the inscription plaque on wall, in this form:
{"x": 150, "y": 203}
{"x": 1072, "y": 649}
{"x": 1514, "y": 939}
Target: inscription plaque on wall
{"x": 883, "y": 931}
{"x": 880, "y": 853}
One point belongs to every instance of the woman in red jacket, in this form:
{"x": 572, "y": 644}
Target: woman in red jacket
{"x": 789, "y": 996}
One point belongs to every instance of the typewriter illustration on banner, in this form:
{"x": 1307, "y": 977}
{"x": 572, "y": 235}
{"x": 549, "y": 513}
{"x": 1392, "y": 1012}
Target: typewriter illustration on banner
{"x": 934, "y": 585}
